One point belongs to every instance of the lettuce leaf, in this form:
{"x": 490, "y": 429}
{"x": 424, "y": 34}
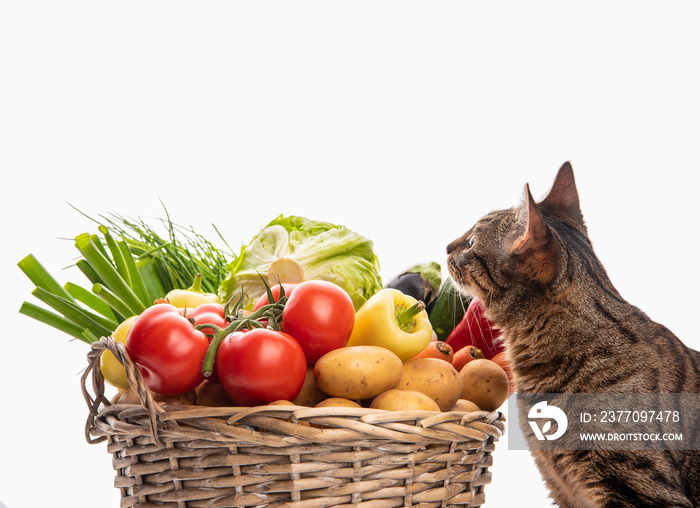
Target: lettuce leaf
{"x": 293, "y": 249}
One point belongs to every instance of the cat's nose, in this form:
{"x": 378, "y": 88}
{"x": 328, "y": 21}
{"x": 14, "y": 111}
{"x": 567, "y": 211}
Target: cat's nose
{"x": 455, "y": 244}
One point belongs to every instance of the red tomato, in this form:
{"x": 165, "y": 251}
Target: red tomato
{"x": 260, "y": 366}
{"x": 502, "y": 360}
{"x": 167, "y": 349}
{"x": 476, "y": 329}
{"x": 208, "y": 313}
{"x": 288, "y": 288}
{"x": 320, "y": 316}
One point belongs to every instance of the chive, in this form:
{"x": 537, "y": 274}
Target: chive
{"x": 52, "y": 319}
{"x": 183, "y": 259}
{"x": 73, "y": 312}
{"x": 113, "y": 281}
{"x": 91, "y": 300}
{"x": 179, "y": 255}
{"x": 113, "y": 300}
{"x": 137, "y": 284}
{"x": 41, "y": 278}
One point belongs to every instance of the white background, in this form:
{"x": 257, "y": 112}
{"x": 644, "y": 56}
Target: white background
{"x": 405, "y": 121}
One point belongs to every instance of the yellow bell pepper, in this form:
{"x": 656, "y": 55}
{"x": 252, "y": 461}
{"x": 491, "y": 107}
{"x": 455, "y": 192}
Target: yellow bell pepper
{"x": 191, "y": 297}
{"x": 392, "y": 320}
{"x": 112, "y": 370}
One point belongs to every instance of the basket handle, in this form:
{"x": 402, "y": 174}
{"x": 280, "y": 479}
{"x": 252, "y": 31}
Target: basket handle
{"x": 134, "y": 378}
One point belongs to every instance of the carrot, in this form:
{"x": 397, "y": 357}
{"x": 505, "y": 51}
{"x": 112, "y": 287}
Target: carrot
{"x": 436, "y": 349}
{"x": 465, "y": 355}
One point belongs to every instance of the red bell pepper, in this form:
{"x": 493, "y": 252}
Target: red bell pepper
{"x": 475, "y": 329}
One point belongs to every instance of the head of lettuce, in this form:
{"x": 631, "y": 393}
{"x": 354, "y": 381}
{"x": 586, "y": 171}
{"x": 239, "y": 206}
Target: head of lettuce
{"x": 294, "y": 249}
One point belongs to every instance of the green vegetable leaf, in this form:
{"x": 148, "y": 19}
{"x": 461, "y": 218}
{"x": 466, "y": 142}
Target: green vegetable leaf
{"x": 303, "y": 249}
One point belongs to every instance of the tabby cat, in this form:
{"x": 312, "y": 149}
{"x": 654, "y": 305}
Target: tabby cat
{"x": 568, "y": 330}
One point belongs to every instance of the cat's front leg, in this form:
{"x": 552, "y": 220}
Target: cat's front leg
{"x": 611, "y": 479}
{"x": 562, "y": 475}
{"x": 655, "y": 504}
{"x": 637, "y": 479}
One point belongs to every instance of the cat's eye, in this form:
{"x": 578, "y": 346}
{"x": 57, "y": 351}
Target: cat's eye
{"x": 470, "y": 242}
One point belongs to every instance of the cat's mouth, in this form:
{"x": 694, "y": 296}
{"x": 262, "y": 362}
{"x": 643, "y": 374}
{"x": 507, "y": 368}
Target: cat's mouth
{"x": 463, "y": 279}
{"x": 467, "y": 269}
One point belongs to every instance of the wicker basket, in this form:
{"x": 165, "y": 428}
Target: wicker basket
{"x": 292, "y": 456}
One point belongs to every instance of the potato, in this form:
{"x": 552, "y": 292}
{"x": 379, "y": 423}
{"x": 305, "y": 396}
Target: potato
{"x": 337, "y": 402}
{"x": 128, "y": 396}
{"x": 183, "y": 399}
{"x": 485, "y": 384}
{"x": 435, "y": 378}
{"x": 281, "y": 402}
{"x": 465, "y": 405}
{"x": 117, "y": 396}
{"x": 404, "y": 400}
{"x": 357, "y": 372}
{"x": 210, "y": 392}
{"x": 310, "y": 394}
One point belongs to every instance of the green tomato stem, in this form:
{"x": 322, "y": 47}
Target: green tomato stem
{"x": 210, "y": 356}
{"x": 406, "y": 318}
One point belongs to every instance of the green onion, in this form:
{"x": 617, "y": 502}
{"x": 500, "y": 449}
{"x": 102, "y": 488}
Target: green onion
{"x": 89, "y": 271}
{"x": 91, "y": 300}
{"x": 113, "y": 300}
{"x": 117, "y": 254}
{"x": 98, "y": 243}
{"x": 52, "y": 319}
{"x": 150, "y": 274}
{"x": 41, "y": 278}
{"x": 92, "y": 253}
{"x": 89, "y": 336}
{"x": 134, "y": 277}
{"x": 73, "y": 312}
{"x": 129, "y": 267}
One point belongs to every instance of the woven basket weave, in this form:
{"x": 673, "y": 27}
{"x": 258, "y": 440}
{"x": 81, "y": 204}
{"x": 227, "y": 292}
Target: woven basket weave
{"x": 293, "y": 456}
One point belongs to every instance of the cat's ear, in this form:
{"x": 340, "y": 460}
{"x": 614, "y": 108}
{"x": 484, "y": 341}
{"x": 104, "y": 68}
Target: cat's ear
{"x": 535, "y": 251}
{"x": 563, "y": 196}
{"x": 537, "y": 233}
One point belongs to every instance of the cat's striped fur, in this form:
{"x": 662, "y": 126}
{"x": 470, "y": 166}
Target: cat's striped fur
{"x": 568, "y": 329}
